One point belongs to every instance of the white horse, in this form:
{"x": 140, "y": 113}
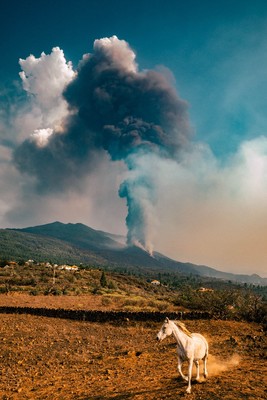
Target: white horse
{"x": 190, "y": 346}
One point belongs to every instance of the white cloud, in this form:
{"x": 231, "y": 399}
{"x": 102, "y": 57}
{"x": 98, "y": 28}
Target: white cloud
{"x": 250, "y": 164}
{"x": 41, "y": 136}
{"x": 45, "y": 79}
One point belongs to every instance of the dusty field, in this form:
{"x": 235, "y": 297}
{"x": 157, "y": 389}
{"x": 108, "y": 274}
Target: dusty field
{"x": 81, "y": 302}
{"x": 46, "y": 358}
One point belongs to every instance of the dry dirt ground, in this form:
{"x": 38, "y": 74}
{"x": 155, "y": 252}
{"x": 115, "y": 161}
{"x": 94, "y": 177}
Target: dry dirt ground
{"x": 48, "y": 358}
{"x": 81, "y": 302}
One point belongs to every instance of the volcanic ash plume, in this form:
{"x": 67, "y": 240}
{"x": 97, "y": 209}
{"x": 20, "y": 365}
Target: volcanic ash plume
{"x": 133, "y": 115}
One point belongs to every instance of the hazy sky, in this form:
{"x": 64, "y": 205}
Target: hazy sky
{"x": 183, "y": 85}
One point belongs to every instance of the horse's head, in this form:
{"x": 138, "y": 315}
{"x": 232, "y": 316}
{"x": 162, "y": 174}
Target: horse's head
{"x": 166, "y": 330}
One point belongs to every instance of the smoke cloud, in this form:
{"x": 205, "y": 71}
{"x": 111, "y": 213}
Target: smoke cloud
{"x": 108, "y": 105}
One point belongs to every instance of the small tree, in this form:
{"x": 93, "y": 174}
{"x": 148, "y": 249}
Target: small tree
{"x": 103, "y": 279}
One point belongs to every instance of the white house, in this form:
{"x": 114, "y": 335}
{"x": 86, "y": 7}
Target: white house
{"x": 155, "y": 282}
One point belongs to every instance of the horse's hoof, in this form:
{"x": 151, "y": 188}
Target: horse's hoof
{"x": 188, "y": 390}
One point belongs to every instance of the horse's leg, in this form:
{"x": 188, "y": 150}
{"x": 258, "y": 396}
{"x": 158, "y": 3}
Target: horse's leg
{"x": 180, "y": 362}
{"x": 190, "y": 366}
{"x": 205, "y": 365}
{"x": 197, "y": 366}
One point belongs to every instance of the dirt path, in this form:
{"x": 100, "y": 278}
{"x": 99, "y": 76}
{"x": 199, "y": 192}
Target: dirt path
{"x": 46, "y": 358}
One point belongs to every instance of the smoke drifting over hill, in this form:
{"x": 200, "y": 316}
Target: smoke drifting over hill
{"x": 108, "y": 105}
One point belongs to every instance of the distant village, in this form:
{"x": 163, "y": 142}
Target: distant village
{"x": 66, "y": 267}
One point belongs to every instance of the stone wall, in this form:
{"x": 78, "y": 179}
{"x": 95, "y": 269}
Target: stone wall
{"x": 105, "y": 316}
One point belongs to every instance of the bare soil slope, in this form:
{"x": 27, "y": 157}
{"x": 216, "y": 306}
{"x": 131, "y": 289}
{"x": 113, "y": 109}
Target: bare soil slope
{"x": 46, "y": 358}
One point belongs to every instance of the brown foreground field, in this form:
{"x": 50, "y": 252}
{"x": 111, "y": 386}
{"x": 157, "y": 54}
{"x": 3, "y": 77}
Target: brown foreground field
{"x": 56, "y": 359}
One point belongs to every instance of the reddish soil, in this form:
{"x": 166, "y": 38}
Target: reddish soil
{"x": 81, "y": 302}
{"x": 56, "y": 359}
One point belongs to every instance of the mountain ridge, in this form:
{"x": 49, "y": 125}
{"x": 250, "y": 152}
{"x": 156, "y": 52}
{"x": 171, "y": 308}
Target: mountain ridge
{"x": 78, "y": 243}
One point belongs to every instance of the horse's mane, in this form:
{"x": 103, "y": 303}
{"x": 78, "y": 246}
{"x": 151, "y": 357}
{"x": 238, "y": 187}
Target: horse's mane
{"x": 183, "y": 328}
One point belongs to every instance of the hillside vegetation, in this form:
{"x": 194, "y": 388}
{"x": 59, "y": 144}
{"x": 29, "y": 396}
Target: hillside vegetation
{"x": 78, "y": 243}
{"x": 16, "y": 245}
{"x": 114, "y": 290}
{"x": 119, "y": 276}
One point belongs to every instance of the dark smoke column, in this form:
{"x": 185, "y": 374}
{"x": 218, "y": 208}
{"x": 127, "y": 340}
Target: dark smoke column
{"x": 131, "y": 114}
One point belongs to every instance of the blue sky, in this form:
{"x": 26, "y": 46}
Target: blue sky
{"x": 214, "y": 54}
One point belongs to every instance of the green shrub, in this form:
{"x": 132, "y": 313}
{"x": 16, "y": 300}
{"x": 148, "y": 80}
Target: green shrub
{"x": 106, "y": 301}
{"x": 96, "y": 290}
{"x": 112, "y": 285}
{"x": 5, "y": 289}
{"x": 34, "y": 292}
